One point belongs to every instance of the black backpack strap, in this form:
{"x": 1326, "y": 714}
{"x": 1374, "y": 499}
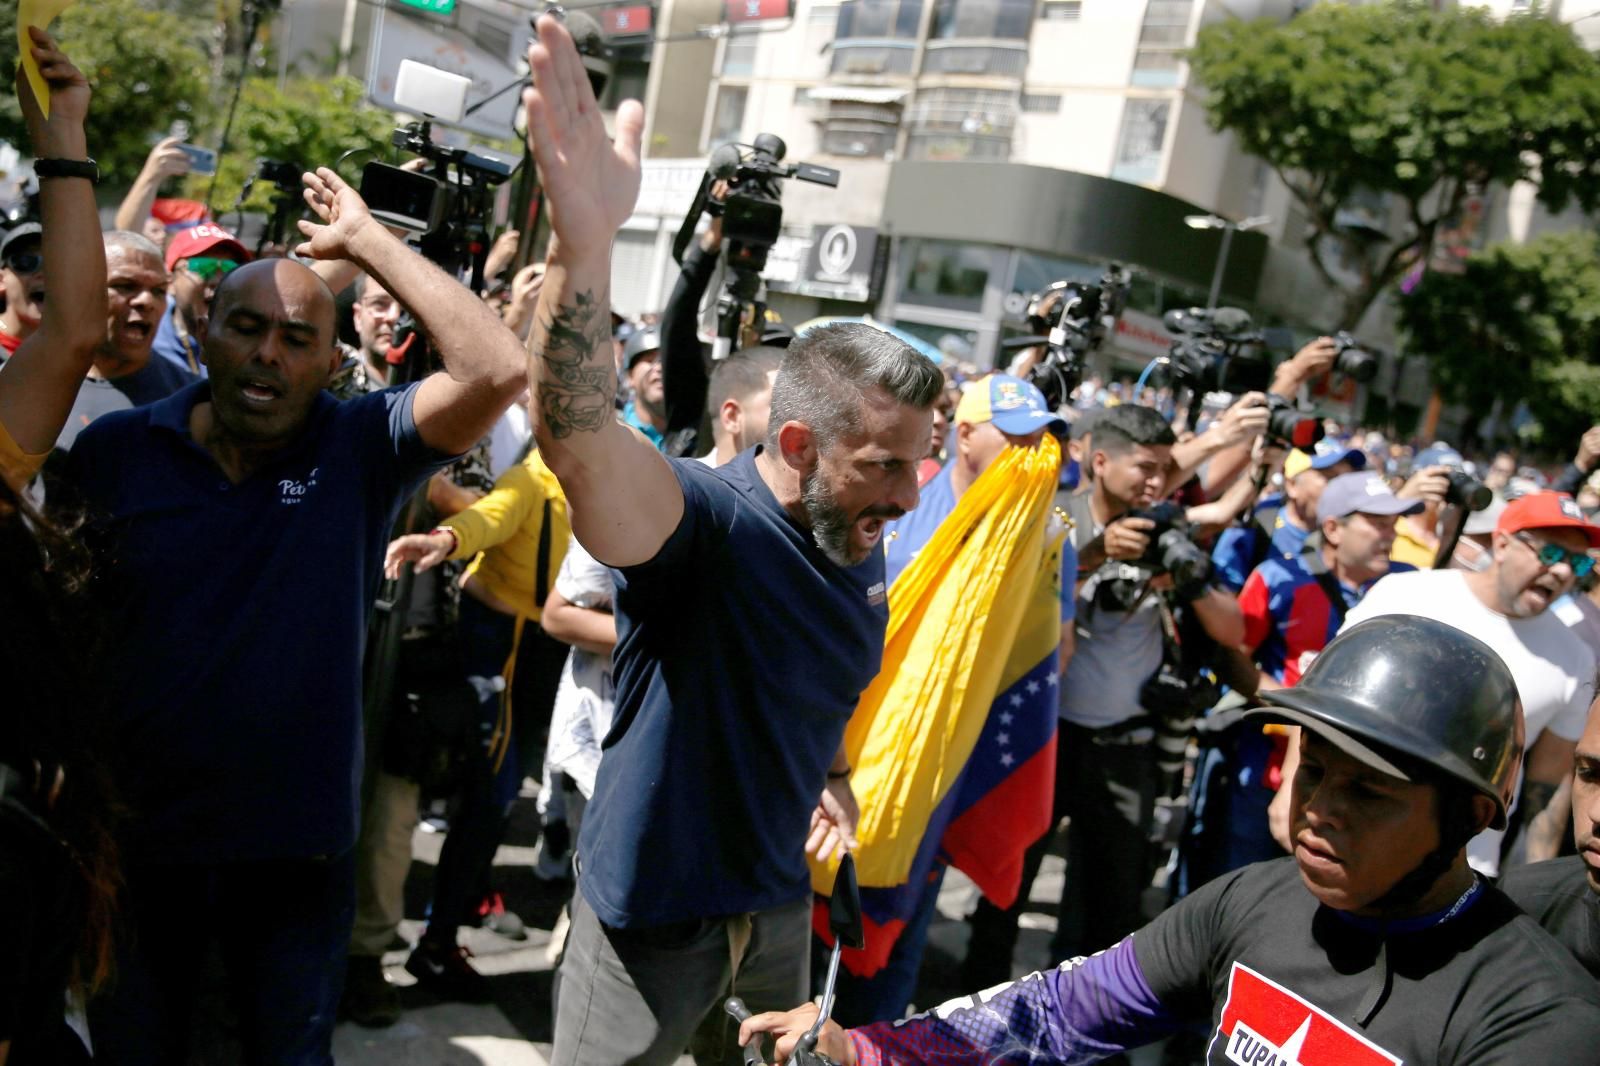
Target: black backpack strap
{"x": 1317, "y": 568}
{"x": 541, "y": 580}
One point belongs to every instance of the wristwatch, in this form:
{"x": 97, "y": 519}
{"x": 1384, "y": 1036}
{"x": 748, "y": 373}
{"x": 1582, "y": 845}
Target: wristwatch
{"x": 68, "y": 168}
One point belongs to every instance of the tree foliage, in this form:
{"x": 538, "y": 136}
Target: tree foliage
{"x": 310, "y": 123}
{"x": 146, "y": 69}
{"x": 1395, "y": 98}
{"x": 1521, "y": 321}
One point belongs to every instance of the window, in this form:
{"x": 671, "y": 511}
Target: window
{"x": 952, "y": 124}
{"x": 879, "y": 19}
{"x": 863, "y": 130}
{"x": 872, "y": 57}
{"x": 1061, "y": 10}
{"x": 944, "y": 274}
{"x": 1155, "y": 68}
{"x": 1002, "y": 19}
{"x": 728, "y": 119}
{"x": 1002, "y": 60}
{"x": 739, "y": 54}
{"x": 1144, "y": 128}
{"x": 1041, "y": 103}
{"x": 802, "y": 96}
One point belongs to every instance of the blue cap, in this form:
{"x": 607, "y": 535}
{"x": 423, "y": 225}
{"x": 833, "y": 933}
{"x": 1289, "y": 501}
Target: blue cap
{"x": 1438, "y": 455}
{"x": 1361, "y": 492}
{"x": 1325, "y": 453}
{"x": 1013, "y": 405}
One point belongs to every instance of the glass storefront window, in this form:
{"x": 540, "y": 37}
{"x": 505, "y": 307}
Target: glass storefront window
{"x": 956, "y": 345}
{"x": 944, "y": 274}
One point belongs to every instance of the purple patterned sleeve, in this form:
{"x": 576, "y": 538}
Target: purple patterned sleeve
{"x": 1082, "y": 1011}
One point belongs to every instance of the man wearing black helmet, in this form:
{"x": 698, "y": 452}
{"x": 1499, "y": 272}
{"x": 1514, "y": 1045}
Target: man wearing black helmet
{"x": 646, "y": 411}
{"x": 1393, "y": 952}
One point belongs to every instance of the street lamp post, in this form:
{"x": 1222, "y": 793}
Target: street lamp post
{"x": 1228, "y": 229}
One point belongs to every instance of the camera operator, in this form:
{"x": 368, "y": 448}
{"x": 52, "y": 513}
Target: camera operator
{"x": 1288, "y": 378}
{"x": 685, "y": 376}
{"x": 1106, "y": 756}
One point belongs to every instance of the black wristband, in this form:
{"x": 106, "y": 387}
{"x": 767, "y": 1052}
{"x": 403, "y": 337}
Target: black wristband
{"x": 67, "y": 168}
{"x": 839, "y": 775}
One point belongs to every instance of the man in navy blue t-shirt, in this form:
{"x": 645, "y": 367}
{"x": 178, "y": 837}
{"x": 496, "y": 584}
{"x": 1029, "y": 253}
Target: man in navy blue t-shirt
{"x": 750, "y": 616}
{"x": 244, "y": 520}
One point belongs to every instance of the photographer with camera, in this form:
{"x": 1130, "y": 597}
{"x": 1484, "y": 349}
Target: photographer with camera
{"x": 1446, "y": 489}
{"x": 685, "y": 370}
{"x": 1135, "y": 565}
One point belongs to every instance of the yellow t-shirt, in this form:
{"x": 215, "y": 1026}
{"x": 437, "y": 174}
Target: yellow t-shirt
{"x": 16, "y": 465}
{"x": 1408, "y": 549}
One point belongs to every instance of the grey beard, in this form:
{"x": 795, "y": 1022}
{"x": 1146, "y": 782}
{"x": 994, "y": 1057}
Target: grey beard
{"x": 830, "y": 525}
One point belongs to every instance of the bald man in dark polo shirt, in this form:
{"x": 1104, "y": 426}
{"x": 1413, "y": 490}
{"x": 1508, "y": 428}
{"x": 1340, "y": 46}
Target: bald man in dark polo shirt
{"x": 243, "y": 522}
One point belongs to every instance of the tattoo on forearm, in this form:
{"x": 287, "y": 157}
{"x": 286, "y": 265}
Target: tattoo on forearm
{"x": 575, "y": 382}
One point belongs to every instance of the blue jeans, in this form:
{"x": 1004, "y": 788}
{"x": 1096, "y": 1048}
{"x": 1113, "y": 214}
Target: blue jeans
{"x": 283, "y": 927}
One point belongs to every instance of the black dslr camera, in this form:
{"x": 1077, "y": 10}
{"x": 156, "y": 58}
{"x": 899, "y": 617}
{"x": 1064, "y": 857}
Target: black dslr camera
{"x": 1354, "y": 361}
{"x": 1070, "y": 319}
{"x": 1170, "y": 552}
{"x": 1467, "y": 491}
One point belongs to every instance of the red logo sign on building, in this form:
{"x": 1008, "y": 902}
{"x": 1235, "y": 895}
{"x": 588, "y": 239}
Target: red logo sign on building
{"x": 755, "y": 10}
{"x": 625, "y": 21}
{"x": 1265, "y": 1024}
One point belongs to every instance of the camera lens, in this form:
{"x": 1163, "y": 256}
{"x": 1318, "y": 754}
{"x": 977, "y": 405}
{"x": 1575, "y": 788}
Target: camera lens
{"x": 1467, "y": 491}
{"x": 1288, "y": 423}
{"x": 1356, "y": 364}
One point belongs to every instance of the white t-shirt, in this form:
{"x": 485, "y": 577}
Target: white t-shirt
{"x": 1553, "y": 669}
{"x": 584, "y": 707}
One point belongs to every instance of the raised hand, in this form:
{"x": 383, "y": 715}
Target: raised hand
{"x": 62, "y": 133}
{"x": 343, "y": 213}
{"x": 166, "y": 159}
{"x": 590, "y": 184}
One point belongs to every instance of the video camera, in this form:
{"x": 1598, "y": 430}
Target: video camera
{"x": 1222, "y": 351}
{"x": 449, "y": 205}
{"x": 1071, "y": 319}
{"x": 752, "y": 212}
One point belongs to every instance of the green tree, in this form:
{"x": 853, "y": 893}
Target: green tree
{"x": 1519, "y": 321}
{"x": 310, "y": 123}
{"x": 146, "y": 70}
{"x": 1345, "y": 100}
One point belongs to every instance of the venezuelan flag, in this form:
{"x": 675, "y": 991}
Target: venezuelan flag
{"x": 953, "y": 744}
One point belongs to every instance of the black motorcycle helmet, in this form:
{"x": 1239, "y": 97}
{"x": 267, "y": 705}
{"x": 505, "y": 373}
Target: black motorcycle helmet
{"x": 1417, "y": 699}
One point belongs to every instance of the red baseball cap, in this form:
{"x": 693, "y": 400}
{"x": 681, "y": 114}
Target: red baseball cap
{"x": 1547, "y": 510}
{"x": 198, "y": 240}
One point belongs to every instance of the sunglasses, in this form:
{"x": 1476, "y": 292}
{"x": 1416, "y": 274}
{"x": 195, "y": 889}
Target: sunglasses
{"x": 25, "y": 262}
{"x": 1554, "y": 555}
{"x": 208, "y": 268}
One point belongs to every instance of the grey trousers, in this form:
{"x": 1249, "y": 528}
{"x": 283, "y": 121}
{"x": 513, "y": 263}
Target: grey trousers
{"x": 645, "y": 995}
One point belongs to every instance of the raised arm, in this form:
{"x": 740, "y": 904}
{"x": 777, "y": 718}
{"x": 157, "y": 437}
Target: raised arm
{"x": 482, "y": 359}
{"x": 166, "y": 160}
{"x": 42, "y": 377}
{"x": 624, "y": 499}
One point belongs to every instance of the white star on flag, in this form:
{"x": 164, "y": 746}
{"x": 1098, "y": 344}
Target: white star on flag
{"x": 1033, "y": 688}
{"x": 1052, "y": 677}
{"x": 1005, "y": 718}
{"x": 1003, "y": 739}
{"x": 1007, "y": 759}
{"x": 1016, "y": 699}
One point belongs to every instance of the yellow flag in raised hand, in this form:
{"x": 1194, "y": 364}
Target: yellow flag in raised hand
{"x": 38, "y": 13}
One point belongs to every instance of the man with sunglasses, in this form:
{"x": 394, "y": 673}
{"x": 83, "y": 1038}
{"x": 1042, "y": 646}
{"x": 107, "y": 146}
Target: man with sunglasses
{"x": 22, "y": 275}
{"x": 1540, "y": 546}
{"x": 198, "y": 258}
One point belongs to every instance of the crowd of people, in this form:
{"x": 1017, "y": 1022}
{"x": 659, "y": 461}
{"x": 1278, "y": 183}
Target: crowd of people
{"x": 305, "y": 541}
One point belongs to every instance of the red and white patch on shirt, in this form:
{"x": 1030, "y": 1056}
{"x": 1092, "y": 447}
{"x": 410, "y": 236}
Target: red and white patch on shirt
{"x": 1265, "y": 1024}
